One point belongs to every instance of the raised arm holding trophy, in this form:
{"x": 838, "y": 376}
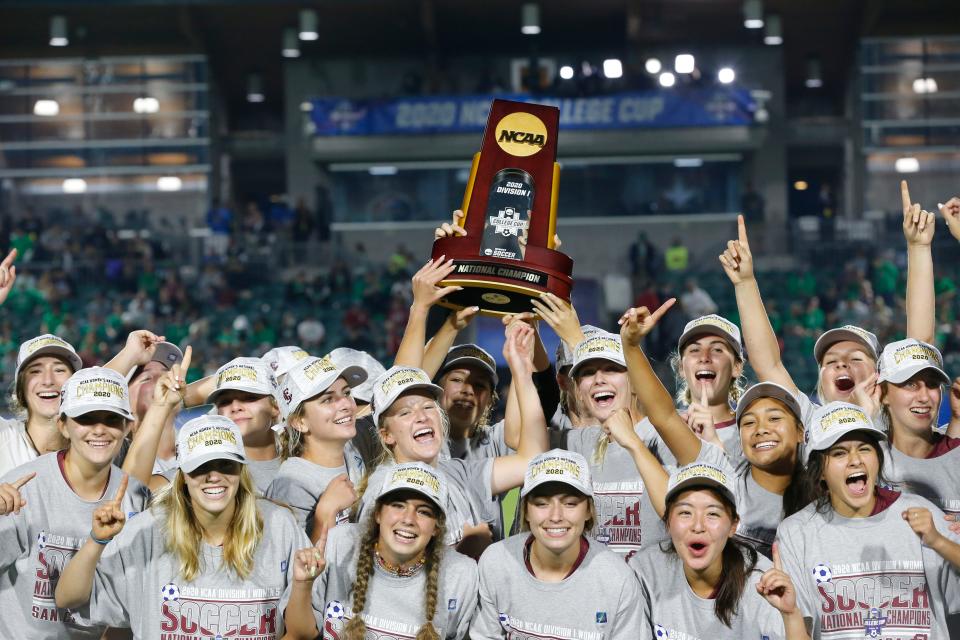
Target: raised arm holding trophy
{"x": 510, "y": 215}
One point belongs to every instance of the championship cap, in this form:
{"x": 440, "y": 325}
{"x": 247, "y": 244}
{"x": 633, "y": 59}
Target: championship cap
{"x": 768, "y": 390}
{"x": 310, "y": 377}
{"x": 251, "y": 375}
{"x": 701, "y": 474}
{"x": 600, "y": 345}
{"x": 347, "y": 357}
{"x": 846, "y": 332}
{"x": 166, "y": 353}
{"x": 904, "y": 359}
{"x": 209, "y": 437}
{"x": 396, "y": 381}
{"x": 46, "y": 345}
{"x": 564, "y": 355}
{"x": 558, "y": 465}
{"x": 470, "y": 354}
{"x": 282, "y": 359}
{"x": 95, "y": 389}
{"x": 419, "y": 477}
{"x": 712, "y": 325}
{"x": 833, "y": 421}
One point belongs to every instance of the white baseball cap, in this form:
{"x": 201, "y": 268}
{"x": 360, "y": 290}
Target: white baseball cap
{"x": 846, "y": 332}
{"x": 396, "y": 381}
{"x": 46, "y": 345}
{"x": 252, "y": 375}
{"x": 209, "y": 437}
{"x": 166, "y": 353}
{"x": 904, "y": 359}
{"x": 701, "y": 474}
{"x": 95, "y": 389}
{"x": 558, "y": 465}
{"x": 712, "y": 325}
{"x": 419, "y": 477}
{"x": 282, "y": 359}
{"x": 601, "y": 345}
{"x": 768, "y": 390}
{"x": 311, "y": 377}
{"x": 470, "y": 354}
{"x": 347, "y": 357}
{"x": 833, "y": 421}
{"x": 564, "y": 355}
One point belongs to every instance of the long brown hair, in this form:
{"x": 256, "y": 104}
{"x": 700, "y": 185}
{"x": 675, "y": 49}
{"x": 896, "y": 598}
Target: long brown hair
{"x": 737, "y": 561}
{"x": 815, "y": 489}
{"x": 356, "y": 628}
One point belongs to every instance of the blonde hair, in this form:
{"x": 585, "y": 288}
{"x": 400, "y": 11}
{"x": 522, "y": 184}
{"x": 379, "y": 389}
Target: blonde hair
{"x": 683, "y": 395}
{"x": 185, "y": 536}
{"x": 356, "y": 627}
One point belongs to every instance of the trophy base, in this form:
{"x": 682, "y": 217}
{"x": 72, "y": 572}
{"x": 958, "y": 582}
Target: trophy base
{"x": 504, "y": 287}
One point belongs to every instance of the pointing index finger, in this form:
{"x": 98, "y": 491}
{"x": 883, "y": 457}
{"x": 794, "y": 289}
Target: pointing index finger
{"x": 905, "y": 196}
{"x": 777, "y": 563}
{"x": 742, "y": 231}
{"x": 24, "y": 480}
{"x": 9, "y": 259}
{"x": 122, "y": 489}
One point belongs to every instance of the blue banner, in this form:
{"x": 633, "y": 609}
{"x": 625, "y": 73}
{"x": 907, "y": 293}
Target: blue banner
{"x": 707, "y": 107}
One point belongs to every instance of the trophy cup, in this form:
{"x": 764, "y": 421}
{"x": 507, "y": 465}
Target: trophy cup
{"x": 511, "y": 196}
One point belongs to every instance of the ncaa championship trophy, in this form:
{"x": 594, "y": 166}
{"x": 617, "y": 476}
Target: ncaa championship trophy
{"x": 511, "y": 194}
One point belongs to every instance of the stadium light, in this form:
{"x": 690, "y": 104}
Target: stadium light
{"x": 688, "y": 163}
{"x": 612, "y": 68}
{"x": 726, "y": 75}
{"x": 291, "y": 44}
{"x": 169, "y": 183}
{"x": 683, "y": 63}
{"x": 566, "y": 72}
{"x": 925, "y": 85}
{"x": 800, "y": 185}
{"x": 530, "y": 19}
{"x": 58, "y": 31}
{"x": 667, "y": 79}
{"x": 773, "y": 34}
{"x": 74, "y": 185}
{"x": 255, "y": 88}
{"x": 653, "y": 66}
{"x": 907, "y": 165}
{"x": 146, "y": 104}
{"x": 46, "y": 108}
{"x": 814, "y": 74}
{"x": 753, "y": 14}
{"x": 308, "y": 25}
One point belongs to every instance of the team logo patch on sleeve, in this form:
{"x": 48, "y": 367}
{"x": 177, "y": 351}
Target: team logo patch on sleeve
{"x": 452, "y": 604}
{"x": 601, "y": 617}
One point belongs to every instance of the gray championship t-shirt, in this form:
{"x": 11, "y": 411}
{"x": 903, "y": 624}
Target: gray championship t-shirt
{"x": 760, "y": 510}
{"x": 299, "y": 483}
{"x": 936, "y": 479}
{"x": 675, "y": 611}
{"x": 138, "y": 583}
{"x": 263, "y": 472}
{"x": 469, "y": 495}
{"x": 38, "y": 542}
{"x": 599, "y": 601}
{"x": 394, "y": 607}
{"x": 869, "y": 577}
{"x": 626, "y": 519}
{"x": 15, "y": 445}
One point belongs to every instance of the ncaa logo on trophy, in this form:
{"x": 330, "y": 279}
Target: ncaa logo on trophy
{"x": 510, "y": 216}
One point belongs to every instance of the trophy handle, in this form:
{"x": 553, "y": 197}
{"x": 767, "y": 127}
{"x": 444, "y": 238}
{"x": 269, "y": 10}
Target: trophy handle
{"x": 469, "y": 190}
{"x": 554, "y": 196}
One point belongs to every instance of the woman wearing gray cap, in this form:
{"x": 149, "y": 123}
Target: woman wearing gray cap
{"x": 552, "y": 580}
{"x": 208, "y": 558}
{"x": 866, "y": 560}
{"x": 390, "y": 575}
{"x": 44, "y": 364}
{"x": 768, "y": 476}
{"x": 703, "y": 583}
{"x": 48, "y": 504}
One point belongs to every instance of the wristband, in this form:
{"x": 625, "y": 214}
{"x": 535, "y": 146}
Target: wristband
{"x": 98, "y": 540}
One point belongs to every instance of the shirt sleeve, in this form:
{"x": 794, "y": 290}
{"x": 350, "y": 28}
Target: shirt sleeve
{"x": 468, "y": 587}
{"x": 631, "y": 615}
{"x": 791, "y": 555}
{"x": 486, "y": 624}
{"x": 14, "y": 538}
{"x": 109, "y": 598}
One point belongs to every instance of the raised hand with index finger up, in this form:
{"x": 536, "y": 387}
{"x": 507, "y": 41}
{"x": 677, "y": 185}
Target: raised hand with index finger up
{"x": 918, "y": 225}
{"x": 169, "y": 390}
{"x": 109, "y": 519}
{"x": 10, "y": 499}
{"x": 8, "y": 275}
{"x": 737, "y": 260}
{"x": 310, "y": 562}
{"x": 636, "y": 323}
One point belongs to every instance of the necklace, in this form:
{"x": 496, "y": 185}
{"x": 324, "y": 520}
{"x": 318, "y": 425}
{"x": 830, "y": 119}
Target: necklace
{"x": 398, "y": 570}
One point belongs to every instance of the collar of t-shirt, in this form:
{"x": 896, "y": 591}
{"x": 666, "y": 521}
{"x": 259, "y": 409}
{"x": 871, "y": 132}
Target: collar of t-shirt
{"x": 943, "y": 444}
{"x": 61, "y": 457}
{"x": 725, "y": 423}
{"x": 584, "y": 548}
{"x": 885, "y": 498}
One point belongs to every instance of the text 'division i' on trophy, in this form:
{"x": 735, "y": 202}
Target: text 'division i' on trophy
{"x": 510, "y": 206}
